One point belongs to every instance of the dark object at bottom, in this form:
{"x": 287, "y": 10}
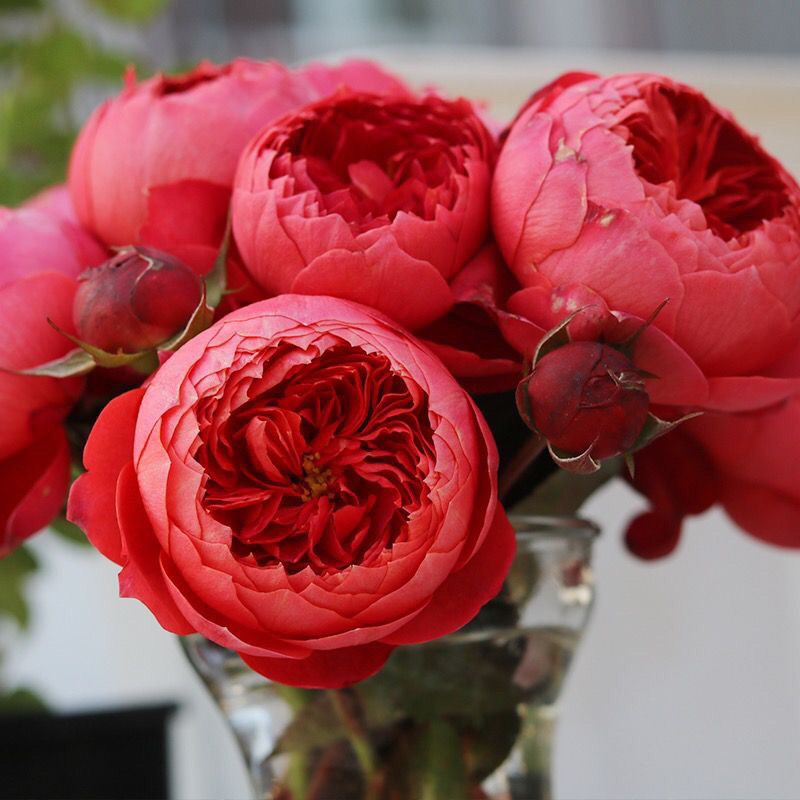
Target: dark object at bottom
{"x": 110, "y": 755}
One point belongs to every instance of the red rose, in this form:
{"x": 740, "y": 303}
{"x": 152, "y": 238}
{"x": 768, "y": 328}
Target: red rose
{"x": 42, "y": 254}
{"x": 636, "y": 189}
{"x": 155, "y": 164}
{"x": 301, "y": 482}
{"x": 372, "y": 198}
{"x": 746, "y": 462}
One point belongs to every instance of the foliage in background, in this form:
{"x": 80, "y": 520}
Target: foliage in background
{"x": 44, "y": 60}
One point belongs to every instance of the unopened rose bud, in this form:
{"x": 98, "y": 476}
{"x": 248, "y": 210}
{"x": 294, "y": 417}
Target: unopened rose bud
{"x": 585, "y": 396}
{"x": 135, "y": 301}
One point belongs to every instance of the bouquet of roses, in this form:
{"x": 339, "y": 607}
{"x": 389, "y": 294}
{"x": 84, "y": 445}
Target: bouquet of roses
{"x": 313, "y": 336}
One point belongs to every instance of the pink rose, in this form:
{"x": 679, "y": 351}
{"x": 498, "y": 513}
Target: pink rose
{"x": 379, "y": 199}
{"x": 635, "y": 189}
{"x": 42, "y": 254}
{"x": 155, "y": 164}
{"x": 55, "y": 201}
{"x": 746, "y": 462}
{"x": 357, "y": 74}
{"x": 303, "y": 483}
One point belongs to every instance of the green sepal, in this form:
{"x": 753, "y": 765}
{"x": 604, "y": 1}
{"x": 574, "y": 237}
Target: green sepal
{"x": 201, "y": 318}
{"x": 582, "y": 464}
{"x": 655, "y": 427}
{"x": 215, "y": 281}
{"x": 627, "y": 346}
{"x": 554, "y": 338}
{"x": 102, "y": 358}
{"x": 76, "y": 362}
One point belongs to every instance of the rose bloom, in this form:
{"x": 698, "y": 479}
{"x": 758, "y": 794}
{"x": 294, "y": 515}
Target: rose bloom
{"x": 747, "y": 462}
{"x": 303, "y": 483}
{"x": 635, "y": 189}
{"x": 378, "y": 199}
{"x": 155, "y": 164}
{"x": 42, "y": 255}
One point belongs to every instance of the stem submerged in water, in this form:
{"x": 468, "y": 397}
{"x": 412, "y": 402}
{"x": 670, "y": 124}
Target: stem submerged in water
{"x": 343, "y": 703}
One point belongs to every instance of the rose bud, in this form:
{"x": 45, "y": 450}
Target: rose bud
{"x": 135, "y": 300}
{"x": 585, "y": 398}
{"x": 637, "y": 189}
{"x": 304, "y": 483}
{"x": 379, "y": 199}
{"x": 42, "y": 255}
{"x": 155, "y": 164}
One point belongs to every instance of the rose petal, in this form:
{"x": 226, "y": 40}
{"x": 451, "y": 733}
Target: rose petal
{"x": 328, "y": 669}
{"x": 34, "y": 483}
{"x": 463, "y": 594}
{"x": 92, "y": 500}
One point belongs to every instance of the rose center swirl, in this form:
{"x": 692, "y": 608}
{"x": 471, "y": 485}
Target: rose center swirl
{"x": 321, "y": 467}
{"x": 370, "y": 160}
{"x": 679, "y": 137}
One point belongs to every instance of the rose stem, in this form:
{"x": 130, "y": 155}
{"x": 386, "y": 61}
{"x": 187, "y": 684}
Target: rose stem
{"x": 355, "y": 733}
{"x": 521, "y": 460}
{"x": 319, "y": 780}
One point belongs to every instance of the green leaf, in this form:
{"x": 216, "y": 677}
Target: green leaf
{"x": 21, "y": 700}
{"x": 21, "y": 5}
{"x": 15, "y": 569}
{"x": 69, "y": 531}
{"x": 136, "y": 11}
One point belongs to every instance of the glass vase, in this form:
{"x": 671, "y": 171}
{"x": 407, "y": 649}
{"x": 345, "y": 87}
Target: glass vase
{"x": 470, "y": 715}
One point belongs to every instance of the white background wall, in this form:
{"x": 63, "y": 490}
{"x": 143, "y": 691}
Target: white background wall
{"x": 687, "y": 684}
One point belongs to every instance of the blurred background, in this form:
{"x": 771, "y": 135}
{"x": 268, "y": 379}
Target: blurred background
{"x": 688, "y": 682}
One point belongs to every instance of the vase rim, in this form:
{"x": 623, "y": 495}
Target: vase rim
{"x": 534, "y": 527}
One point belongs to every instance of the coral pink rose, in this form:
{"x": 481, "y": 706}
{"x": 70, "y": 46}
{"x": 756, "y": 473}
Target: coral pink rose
{"x": 635, "y": 189}
{"x": 42, "y": 255}
{"x": 303, "y": 483}
{"x": 55, "y": 201}
{"x": 747, "y": 462}
{"x": 378, "y": 199}
{"x": 155, "y": 164}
